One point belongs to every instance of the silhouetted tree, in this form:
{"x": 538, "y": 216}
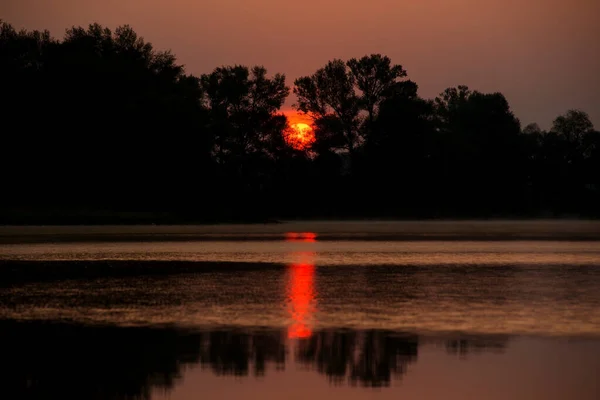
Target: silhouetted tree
{"x": 242, "y": 104}
{"x": 127, "y": 98}
{"x": 344, "y": 99}
{"x": 329, "y": 96}
{"x": 100, "y": 121}
{"x": 100, "y": 108}
{"x": 376, "y": 78}
{"x": 337, "y": 94}
{"x": 400, "y": 150}
{"x": 23, "y": 108}
{"x": 566, "y": 173}
{"x": 247, "y": 130}
{"x": 573, "y": 126}
{"x": 481, "y": 156}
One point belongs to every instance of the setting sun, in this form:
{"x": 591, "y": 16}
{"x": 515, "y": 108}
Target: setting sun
{"x": 300, "y": 135}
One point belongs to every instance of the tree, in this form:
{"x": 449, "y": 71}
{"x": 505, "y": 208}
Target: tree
{"x": 567, "y": 173}
{"x": 247, "y": 130}
{"x": 479, "y": 124}
{"x": 129, "y": 97}
{"x": 329, "y": 97}
{"x": 375, "y": 77}
{"x": 102, "y": 120}
{"x": 101, "y": 105}
{"x": 533, "y": 129}
{"x": 573, "y": 126}
{"x": 482, "y": 158}
{"x": 338, "y": 95}
{"x": 243, "y": 107}
{"x": 399, "y": 151}
{"x": 402, "y": 115}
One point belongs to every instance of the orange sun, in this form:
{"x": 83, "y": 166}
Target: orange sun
{"x": 299, "y": 135}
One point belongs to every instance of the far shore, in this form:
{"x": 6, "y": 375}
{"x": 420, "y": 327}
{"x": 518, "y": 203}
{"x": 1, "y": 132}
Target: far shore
{"x": 548, "y": 229}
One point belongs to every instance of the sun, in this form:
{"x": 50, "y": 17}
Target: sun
{"x": 299, "y": 136}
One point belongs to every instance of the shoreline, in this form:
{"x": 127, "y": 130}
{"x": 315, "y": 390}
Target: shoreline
{"x": 341, "y": 230}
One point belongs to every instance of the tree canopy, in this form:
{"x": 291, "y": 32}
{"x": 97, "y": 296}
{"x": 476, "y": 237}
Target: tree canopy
{"x": 102, "y": 122}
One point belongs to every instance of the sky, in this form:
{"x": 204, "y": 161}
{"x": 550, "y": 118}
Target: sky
{"x": 543, "y": 55}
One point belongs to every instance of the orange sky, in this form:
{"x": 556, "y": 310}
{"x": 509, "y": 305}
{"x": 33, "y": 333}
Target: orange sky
{"x": 544, "y": 55}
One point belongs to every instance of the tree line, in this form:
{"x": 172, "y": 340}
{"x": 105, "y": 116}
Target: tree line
{"x": 40, "y": 359}
{"x": 101, "y": 120}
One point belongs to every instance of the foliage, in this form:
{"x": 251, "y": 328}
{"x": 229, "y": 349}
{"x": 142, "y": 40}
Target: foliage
{"x": 101, "y": 120}
{"x": 338, "y": 95}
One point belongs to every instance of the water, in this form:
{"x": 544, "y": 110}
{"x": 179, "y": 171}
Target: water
{"x": 364, "y": 310}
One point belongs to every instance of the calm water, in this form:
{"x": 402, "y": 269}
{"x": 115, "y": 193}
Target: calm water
{"x": 336, "y": 311}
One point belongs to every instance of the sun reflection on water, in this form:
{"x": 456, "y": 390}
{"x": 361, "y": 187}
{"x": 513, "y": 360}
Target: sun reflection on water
{"x": 308, "y": 237}
{"x": 301, "y": 293}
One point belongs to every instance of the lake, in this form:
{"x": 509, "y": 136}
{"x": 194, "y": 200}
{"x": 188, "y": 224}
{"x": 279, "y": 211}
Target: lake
{"x": 335, "y": 310}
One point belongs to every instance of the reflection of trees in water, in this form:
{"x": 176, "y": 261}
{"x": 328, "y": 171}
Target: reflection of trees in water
{"x": 369, "y": 358}
{"x": 59, "y": 360}
{"x": 466, "y": 345}
{"x": 234, "y": 352}
{"x": 44, "y": 360}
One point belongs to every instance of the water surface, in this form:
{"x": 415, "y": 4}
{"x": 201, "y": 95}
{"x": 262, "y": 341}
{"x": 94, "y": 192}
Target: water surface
{"x": 295, "y": 316}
